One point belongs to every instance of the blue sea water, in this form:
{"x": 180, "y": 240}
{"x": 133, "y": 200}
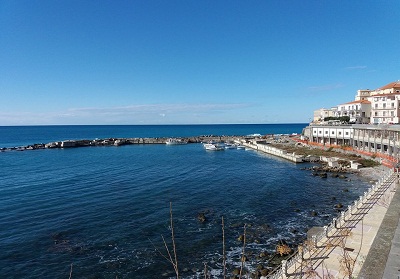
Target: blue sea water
{"x": 104, "y": 209}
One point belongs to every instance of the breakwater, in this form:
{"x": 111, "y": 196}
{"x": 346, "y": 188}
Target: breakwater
{"x": 118, "y": 142}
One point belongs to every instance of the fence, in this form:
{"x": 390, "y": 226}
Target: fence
{"x": 347, "y": 219}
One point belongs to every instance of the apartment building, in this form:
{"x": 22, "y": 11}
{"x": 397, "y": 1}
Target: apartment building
{"x": 359, "y": 111}
{"x": 385, "y": 108}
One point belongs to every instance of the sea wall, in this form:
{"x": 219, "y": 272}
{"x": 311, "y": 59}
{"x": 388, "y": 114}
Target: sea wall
{"x": 265, "y": 147}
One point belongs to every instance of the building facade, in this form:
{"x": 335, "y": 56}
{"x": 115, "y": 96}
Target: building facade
{"x": 358, "y": 111}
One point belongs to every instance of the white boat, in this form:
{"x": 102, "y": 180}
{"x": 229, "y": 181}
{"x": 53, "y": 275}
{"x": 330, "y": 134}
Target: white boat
{"x": 230, "y": 146}
{"x": 175, "y": 141}
{"x": 213, "y": 146}
{"x": 241, "y": 147}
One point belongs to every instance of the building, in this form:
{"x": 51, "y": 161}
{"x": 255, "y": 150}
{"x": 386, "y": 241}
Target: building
{"x": 393, "y": 87}
{"x": 321, "y": 114}
{"x": 358, "y": 111}
{"x": 385, "y": 108}
{"x": 363, "y": 94}
{"x": 379, "y": 106}
{"x": 382, "y": 139}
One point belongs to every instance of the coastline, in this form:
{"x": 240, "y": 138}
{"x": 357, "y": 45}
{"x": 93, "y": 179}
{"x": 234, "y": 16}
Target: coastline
{"x": 368, "y": 174}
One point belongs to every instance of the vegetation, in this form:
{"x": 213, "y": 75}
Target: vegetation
{"x": 344, "y": 119}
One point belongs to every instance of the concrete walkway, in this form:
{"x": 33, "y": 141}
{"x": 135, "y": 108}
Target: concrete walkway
{"x": 358, "y": 243}
{"x": 383, "y": 260}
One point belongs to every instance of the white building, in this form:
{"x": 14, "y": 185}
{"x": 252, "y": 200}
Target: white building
{"x": 385, "y": 108}
{"x": 359, "y": 111}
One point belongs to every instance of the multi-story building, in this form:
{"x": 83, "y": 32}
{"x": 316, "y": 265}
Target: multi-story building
{"x": 322, "y": 113}
{"x": 379, "y": 106}
{"x": 359, "y": 111}
{"x": 363, "y": 94}
{"x": 385, "y": 108}
{"x": 391, "y": 88}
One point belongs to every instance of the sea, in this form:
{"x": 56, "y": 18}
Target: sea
{"x": 105, "y": 212}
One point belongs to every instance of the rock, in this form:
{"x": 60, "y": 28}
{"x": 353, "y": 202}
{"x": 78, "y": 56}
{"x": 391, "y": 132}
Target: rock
{"x": 240, "y": 238}
{"x": 339, "y": 205}
{"x": 201, "y": 217}
{"x": 236, "y": 271}
{"x": 342, "y": 176}
{"x": 345, "y": 190}
{"x": 314, "y": 213}
{"x": 323, "y": 175}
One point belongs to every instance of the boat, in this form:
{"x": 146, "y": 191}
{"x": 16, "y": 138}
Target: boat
{"x": 230, "y": 146}
{"x": 176, "y": 141}
{"x": 213, "y": 146}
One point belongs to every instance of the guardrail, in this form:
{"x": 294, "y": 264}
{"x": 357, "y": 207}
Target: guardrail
{"x": 345, "y": 220}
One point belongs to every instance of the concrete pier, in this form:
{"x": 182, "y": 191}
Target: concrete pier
{"x": 264, "y": 147}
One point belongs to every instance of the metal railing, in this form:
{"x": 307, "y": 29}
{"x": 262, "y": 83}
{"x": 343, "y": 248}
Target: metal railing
{"x": 344, "y": 221}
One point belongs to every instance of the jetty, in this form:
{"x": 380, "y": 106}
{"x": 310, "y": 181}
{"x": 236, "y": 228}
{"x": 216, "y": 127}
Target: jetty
{"x": 262, "y": 145}
{"x": 74, "y": 143}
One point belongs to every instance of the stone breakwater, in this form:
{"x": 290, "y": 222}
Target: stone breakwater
{"x": 117, "y": 142}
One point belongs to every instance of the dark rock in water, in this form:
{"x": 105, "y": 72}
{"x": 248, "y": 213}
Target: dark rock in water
{"x": 334, "y": 198}
{"x": 294, "y": 231}
{"x": 345, "y": 190}
{"x": 297, "y": 210}
{"x": 314, "y": 213}
{"x": 335, "y": 175}
{"x": 323, "y": 175}
{"x": 201, "y": 217}
{"x": 339, "y": 205}
{"x": 236, "y": 271}
{"x": 342, "y": 176}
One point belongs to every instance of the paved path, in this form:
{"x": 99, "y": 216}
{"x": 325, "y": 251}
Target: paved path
{"x": 383, "y": 260}
{"x": 356, "y": 239}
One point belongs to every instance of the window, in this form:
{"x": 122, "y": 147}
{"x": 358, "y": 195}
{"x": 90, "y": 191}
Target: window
{"x": 392, "y": 105}
{"x": 320, "y": 132}
{"x": 384, "y": 105}
{"x": 347, "y": 133}
{"x": 392, "y": 113}
{"x": 340, "y": 133}
{"x": 376, "y": 113}
{"x": 326, "y": 132}
{"x": 376, "y": 106}
{"x": 333, "y": 132}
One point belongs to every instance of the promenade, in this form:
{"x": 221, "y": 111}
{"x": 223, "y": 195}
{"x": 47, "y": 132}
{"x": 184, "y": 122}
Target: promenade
{"x": 364, "y": 242}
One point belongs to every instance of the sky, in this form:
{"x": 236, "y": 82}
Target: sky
{"x": 190, "y": 62}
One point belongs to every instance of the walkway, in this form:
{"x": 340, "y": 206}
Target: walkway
{"x": 345, "y": 244}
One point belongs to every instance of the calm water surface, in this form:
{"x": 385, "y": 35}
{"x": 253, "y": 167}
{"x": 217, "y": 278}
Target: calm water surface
{"x": 103, "y": 209}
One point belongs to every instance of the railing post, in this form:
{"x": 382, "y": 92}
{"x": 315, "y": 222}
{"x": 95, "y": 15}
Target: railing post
{"x": 284, "y": 269}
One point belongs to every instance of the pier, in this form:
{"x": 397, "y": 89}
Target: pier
{"x": 265, "y": 147}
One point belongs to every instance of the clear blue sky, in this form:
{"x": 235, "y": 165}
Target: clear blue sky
{"x": 190, "y": 62}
